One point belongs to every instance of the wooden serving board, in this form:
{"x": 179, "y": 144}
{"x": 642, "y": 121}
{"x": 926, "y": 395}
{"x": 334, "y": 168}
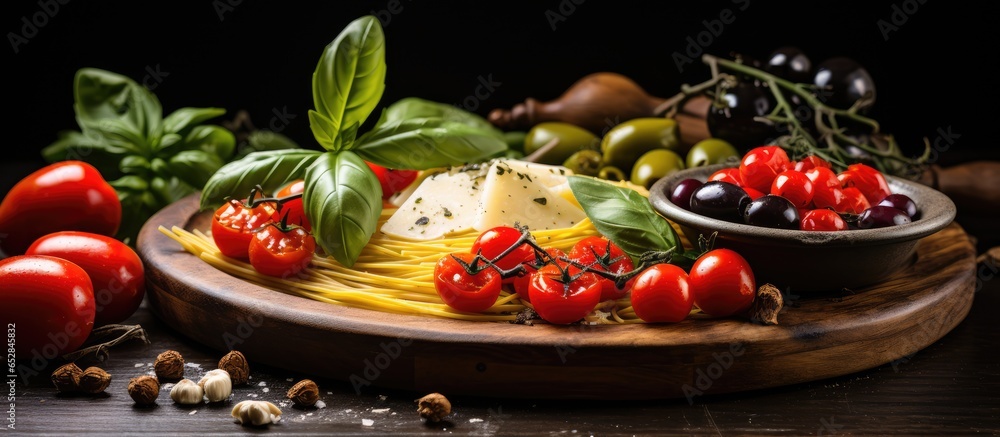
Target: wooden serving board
{"x": 818, "y": 337}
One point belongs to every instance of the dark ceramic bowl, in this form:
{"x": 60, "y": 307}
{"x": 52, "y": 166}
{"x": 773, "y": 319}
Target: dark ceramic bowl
{"x": 812, "y": 261}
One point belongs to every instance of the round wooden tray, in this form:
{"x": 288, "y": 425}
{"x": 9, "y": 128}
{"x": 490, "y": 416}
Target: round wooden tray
{"x": 818, "y": 336}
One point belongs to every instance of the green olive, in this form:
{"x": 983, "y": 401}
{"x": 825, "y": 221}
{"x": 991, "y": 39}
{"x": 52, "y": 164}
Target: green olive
{"x": 572, "y": 138}
{"x": 611, "y": 173}
{"x": 711, "y": 151}
{"x": 654, "y": 165}
{"x": 584, "y": 162}
{"x": 626, "y": 142}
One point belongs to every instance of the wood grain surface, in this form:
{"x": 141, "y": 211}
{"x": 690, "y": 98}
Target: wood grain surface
{"x": 819, "y": 336}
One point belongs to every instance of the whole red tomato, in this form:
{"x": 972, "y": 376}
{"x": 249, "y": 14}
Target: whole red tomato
{"x": 115, "y": 270}
{"x": 761, "y": 165}
{"x": 661, "y": 294}
{"x": 233, "y": 225}
{"x": 794, "y": 186}
{"x": 559, "y": 299}
{"x": 866, "y": 179}
{"x": 530, "y": 264}
{"x": 64, "y": 196}
{"x": 603, "y": 255}
{"x": 293, "y": 208}
{"x": 462, "y": 291}
{"x": 493, "y": 242}
{"x": 822, "y": 220}
{"x": 50, "y": 302}
{"x": 722, "y": 283}
{"x": 392, "y": 180}
{"x": 281, "y": 251}
{"x": 731, "y": 175}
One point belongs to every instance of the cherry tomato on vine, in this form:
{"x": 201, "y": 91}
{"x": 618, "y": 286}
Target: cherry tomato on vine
{"x": 602, "y": 254}
{"x": 281, "y": 251}
{"x": 561, "y": 300}
{"x": 116, "y": 273}
{"x": 822, "y": 220}
{"x": 233, "y": 224}
{"x": 461, "y": 290}
{"x": 51, "y": 302}
{"x": 64, "y": 196}
{"x": 761, "y": 165}
{"x": 294, "y": 209}
{"x": 722, "y": 283}
{"x": 521, "y": 282}
{"x": 662, "y": 294}
{"x": 392, "y": 180}
{"x": 493, "y": 242}
{"x": 866, "y": 179}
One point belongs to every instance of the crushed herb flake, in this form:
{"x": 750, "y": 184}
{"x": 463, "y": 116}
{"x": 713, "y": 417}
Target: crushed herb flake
{"x": 422, "y": 221}
{"x": 540, "y": 200}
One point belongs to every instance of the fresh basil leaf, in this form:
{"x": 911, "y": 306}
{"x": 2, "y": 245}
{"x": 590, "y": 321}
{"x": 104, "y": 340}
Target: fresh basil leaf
{"x": 103, "y": 95}
{"x": 324, "y": 129}
{"x": 129, "y": 184}
{"x": 212, "y": 139}
{"x": 94, "y": 149}
{"x": 345, "y": 139}
{"x": 424, "y": 143}
{"x": 168, "y": 141}
{"x": 194, "y": 167}
{"x": 168, "y": 190}
{"x": 137, "y": 207}
{"x": 118, "y": 133}
{"x": 350, "y": 77}
{"x": 263, "y": 139}
{"x": 184, "y": 118}
{"x": 270, "y": 169}
{"x": 134, "y": 165}
{"x": 623, "y": 216}
{"x": 415, "y": 107}
{"x": 343, "y": 200}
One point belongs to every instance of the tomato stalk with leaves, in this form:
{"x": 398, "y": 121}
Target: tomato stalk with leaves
{"x": 342, "y": 196}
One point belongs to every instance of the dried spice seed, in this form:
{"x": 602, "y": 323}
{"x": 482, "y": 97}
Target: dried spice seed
{"x": 144, "y": 389}
{"x": 433, "y": 407}
{"x": 67, "y": 378}
{"x": 169, "y": 366}
{"x": 94, "y": 380}
{"x": 305, "y": 393}
{"x": 236, "y": 365}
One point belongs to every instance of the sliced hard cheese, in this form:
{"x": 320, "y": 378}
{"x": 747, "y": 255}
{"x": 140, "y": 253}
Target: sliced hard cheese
{"x": 511, "y": 196}
{"x": 442, "y": 204}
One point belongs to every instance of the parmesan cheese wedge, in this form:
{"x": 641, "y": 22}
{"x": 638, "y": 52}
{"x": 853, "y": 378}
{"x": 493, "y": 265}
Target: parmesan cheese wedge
{"x": 496, "y": 193}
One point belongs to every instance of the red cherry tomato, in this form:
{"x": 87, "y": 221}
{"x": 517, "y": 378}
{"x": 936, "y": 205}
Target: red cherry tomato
{"x": 794, "y": 186}
{"x": 462, "y": 291}
{"x": 233, "y": 225}
{"x": 761, "y": 165}
{"x": 115, "y": 270}
{"x": 598, "y": 253}
{"x": 64, "y": 196}
{"x": 50, "y": 303}
{"x": 811, "y": 162}
{"x": 661, "y": 294}
{"x": 521, "y": 282}
{"x": 868, "y": 180}
{"x": 722, "y": 283}
{"x": 561, "y": 301}
{"x": 493, "y": 242}
{"x": 293, "y": 208}
{"x": 281, "y": 252}
{"x": 853, "y": 201}
{"x": 822, "y": 220}
{"x": 826, "y": 188}
{"x": 731, "y": 175}
{"x": 392, "y": 180}
{"x": 754, "y": 194}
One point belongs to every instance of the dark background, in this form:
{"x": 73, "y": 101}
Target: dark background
{"x": 933, "y": 72}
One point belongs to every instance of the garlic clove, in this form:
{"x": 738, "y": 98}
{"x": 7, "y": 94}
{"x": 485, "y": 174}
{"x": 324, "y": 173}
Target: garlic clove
{"x": 186, "y": 392}
{"x": 217, "y": 385}
{"x": 256, "y": 413}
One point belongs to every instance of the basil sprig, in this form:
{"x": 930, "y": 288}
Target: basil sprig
{"x": 624, "y": 216}
{"x": 343, "y": 198}
{"x": 151, "y": 160}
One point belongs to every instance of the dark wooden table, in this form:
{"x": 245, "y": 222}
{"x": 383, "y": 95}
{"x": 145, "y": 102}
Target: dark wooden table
{"x": 951, "y": 388}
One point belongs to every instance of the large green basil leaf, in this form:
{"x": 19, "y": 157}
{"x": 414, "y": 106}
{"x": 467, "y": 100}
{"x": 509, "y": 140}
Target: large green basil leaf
{"x": 624, "y": 216}
{"x": 427, "y": 143}
{"x": 194, "y": 167}
{"x": 270, "y": 169}
{"x": 94, "y": 149}
{"x": 103, "y": 95}
{"x": 415, "y": 107}
{"x": 343, "y": 200}
{"x": 212, "y": 139}
{"x": 349, "y": 79}
{"x": 184, "y": 118}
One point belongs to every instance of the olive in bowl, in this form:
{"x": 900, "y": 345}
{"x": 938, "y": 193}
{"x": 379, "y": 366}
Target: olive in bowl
{"x": 811, "y": 261}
